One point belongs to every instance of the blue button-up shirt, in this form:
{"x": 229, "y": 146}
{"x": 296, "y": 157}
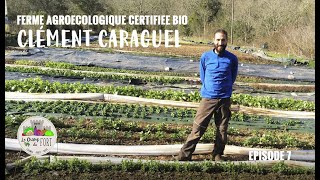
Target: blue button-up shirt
{"x": 217, "y": 74}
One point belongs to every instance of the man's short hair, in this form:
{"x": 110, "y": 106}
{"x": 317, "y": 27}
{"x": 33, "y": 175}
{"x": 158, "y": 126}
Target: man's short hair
{"x": 221, "y": 31}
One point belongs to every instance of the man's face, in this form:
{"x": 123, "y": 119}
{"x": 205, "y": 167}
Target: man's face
{"x": 220, "y": 42}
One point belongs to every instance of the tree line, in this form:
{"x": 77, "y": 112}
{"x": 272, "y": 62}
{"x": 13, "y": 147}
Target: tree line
{"x": 287, "y": 26}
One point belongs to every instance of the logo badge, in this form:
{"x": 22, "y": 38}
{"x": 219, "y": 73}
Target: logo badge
{"x": 37, "y": 135}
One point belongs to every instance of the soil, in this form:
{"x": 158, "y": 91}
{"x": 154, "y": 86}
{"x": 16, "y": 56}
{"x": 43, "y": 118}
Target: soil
{"x": 138, "y": 175}
{"x": 190, "y": 50}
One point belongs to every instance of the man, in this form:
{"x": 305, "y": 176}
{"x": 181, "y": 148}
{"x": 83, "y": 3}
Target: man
{"x": 218, "y": 71}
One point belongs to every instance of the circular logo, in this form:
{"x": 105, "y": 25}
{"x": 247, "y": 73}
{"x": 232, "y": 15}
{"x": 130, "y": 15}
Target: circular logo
{"x": 37, "y": 135}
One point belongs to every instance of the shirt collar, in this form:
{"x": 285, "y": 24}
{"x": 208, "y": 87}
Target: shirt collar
{"x": 222, "y": 54}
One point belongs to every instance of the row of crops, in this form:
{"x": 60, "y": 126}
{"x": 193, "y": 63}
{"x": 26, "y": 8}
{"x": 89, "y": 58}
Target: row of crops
{"x": 35, "y": 167}
{"x": 136, "y": 78}
{"x": 145, "y": 113}
{"x": 37, "y": 85}
{"x": 177, "y": 76}
{"x": 71, "y": 74}
{"x": 102, "y": 130}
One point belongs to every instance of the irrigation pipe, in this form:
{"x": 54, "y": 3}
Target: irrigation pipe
{"x": 154, "y": 150}
{"x": 99, "y": 96}
{"x": 57, "y": 96}
{"x": 275, "y": 85}
{"x": 130, "y": 99}
{"x": 23, "y": 161}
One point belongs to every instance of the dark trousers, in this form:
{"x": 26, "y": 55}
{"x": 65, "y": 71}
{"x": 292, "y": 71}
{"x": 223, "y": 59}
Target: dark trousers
{"x": 220, "y": 109}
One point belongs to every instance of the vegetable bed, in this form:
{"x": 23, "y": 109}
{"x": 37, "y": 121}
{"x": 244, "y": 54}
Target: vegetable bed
{"x": 105, "y": 123}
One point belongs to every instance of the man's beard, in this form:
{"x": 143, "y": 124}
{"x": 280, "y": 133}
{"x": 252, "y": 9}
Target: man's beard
{"x": 220, "y": 49}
